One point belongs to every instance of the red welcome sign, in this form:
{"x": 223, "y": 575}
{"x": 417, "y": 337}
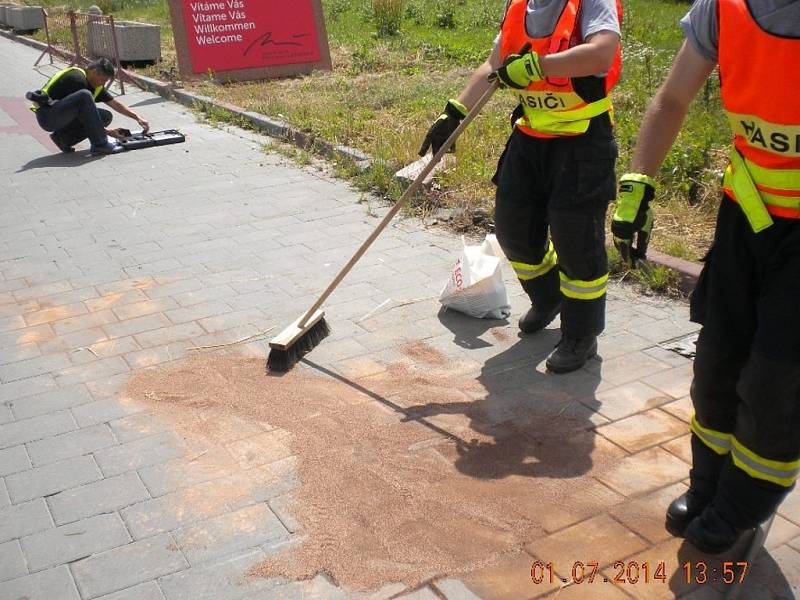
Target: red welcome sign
{"x": 235, "y": 36}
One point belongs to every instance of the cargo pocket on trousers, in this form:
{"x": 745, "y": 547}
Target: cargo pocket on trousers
{"x": 587, "y": 177}
{"x": 698, "y": 300}
{"x": 496, "y": 176}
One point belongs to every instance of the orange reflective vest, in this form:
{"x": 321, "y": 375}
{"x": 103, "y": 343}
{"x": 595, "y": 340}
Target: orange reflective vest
{"x": 760, "y": 79}
{"x": 552, "y": 107}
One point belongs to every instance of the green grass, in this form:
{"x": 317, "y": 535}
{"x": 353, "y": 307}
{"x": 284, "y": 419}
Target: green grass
{"x": 385, "y": 89}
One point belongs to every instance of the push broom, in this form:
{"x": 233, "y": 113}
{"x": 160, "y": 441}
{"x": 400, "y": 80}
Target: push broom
{"x": 310, "y": 329}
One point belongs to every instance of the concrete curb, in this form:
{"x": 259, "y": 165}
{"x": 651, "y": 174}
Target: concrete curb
{"x": 688, "y": 271}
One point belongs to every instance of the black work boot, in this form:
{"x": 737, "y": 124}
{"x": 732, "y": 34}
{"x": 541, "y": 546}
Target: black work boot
{"x": 710, "y": 533}
{"x": 571, "y": 353}
{"x": 683, "y": 510}
{"x": 535, "y": 320}
{"x": 545, "y": 298}
{"x": 56, "y": 138}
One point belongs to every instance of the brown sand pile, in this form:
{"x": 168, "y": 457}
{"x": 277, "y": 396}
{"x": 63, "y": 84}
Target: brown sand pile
{"x": 392, "y": 488}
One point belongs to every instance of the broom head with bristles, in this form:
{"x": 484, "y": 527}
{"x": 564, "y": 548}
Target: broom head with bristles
{"x": 292, "y": 343}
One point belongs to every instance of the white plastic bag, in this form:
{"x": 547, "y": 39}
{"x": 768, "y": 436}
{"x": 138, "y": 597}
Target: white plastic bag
{"x": 476, "y": 286}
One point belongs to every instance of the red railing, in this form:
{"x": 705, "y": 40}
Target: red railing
{"x": 80, "y": 38}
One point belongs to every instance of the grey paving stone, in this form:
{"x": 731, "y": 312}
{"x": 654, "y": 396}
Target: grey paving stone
{"x": 4, "y": 499}
{"x": 96, "y": 370}
{"x": 13, "y": 460}
{"x": 138, "y": 426}
{"x": 29, "y": 335}
{"x": 49, "y": 402}
{"x": 224, "y": 580}
{"x": 54, "y": 584}
{"x": 145, "y": 591}
{"x": 36, "y": 428}
{"x": 144, "y": 307}
{"x": 184, "y": 472}
{"x": 33, "y": 367}
{"x": 168, "y": 335}
{"x": 6, "y": 416}
{"x": 424, "y": 594}
{"x": 199, "y": 311}
{"x": 72, "y": 542}
{"x": 12, "y": 563}
{"x": 23, "y": 519}
{"x": 68, "y": 445}
{"x": 101, "y": 496}
{"x": 104, "y": 349}
{"x": 27, "y": 387}
{"x": 19, "y": 353}
{"x": 229, "y": 533}
{"x": 140, "y": 453}
{"x": 317, "y": 588}
{"x": 92, "y": 320}
{"x": 103, "y": 411}
{"x": 126, "y": 566}
{"x": 453, "y": 589}
{"x": 137, "y": 325}
{"x": 52, "y": 478}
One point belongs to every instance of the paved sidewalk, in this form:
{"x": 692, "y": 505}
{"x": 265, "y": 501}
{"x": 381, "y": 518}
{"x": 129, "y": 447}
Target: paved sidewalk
{"x": 115, "y": 264}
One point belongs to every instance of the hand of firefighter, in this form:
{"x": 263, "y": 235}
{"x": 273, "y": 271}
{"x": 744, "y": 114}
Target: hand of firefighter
{"x": 443, "y": 127}
{"x": 519, "y": 70}
{"x": 633, "y": 217}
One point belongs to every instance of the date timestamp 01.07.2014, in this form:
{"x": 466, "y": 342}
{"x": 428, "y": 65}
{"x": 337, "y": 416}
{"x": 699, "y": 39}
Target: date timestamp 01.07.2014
{"x": 632, "y": 572}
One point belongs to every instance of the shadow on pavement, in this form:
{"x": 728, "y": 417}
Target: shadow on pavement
{"x": 720, "y": 576}
{"x": 73, "y": 159}
{"x": 531, "y": 422}
{"x": 149, "y": 102}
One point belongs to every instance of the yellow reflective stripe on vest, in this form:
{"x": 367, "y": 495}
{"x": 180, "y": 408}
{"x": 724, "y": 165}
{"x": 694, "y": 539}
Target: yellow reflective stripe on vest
{"x": 738, "y": 179}
{"x": 568, "y": 121}
{"x": 583, "y": 290}
{"x": 776, "y": 471}
{"x": 52, "y": 81}
{"x": 781, "y": 179}
{"x": 526, "y": 272}
{"x": 782, "y": 140}
{"x": 718, "y": 441}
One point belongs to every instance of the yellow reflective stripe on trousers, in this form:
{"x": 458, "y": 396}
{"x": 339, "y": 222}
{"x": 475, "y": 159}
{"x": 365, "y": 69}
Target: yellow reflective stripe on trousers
{"x": 526, "y": 272}
{"x": 583, "y": 290}
{"x": 782, "y": 473}
{"x": 716, "y": 440}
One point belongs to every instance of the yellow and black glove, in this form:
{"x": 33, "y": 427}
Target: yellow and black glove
{"x": 520, "y": 70}
{"x": 443, "y": 127}
{"x": 633, "y": 217}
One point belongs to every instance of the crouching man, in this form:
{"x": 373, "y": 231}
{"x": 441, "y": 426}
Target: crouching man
{"x": 68, "y": 108}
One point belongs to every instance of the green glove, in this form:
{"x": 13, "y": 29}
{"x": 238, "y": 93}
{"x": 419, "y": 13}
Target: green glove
{"x": 443, "y": 127}
{"x": 633, "y": 217}
{"x": 520, "y": 70}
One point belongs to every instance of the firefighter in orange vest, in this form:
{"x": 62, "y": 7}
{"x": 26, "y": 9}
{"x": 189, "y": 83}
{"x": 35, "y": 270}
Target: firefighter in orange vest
{"x": 555, "y": 177}
{"x": 746, "y": 387}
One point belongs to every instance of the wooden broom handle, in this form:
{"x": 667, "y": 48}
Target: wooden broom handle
{"x": 412, "y": 189}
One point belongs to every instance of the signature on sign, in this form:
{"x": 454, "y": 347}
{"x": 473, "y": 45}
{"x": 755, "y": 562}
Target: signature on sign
{"x": 268, "y": 40}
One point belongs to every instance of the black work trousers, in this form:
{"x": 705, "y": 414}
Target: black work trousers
{"x": 75, "y": 118}
{"x": 561, "y": 186}
{"x": 746, "y": 386}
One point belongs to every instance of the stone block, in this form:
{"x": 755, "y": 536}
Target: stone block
{"x": 136, "y": 42}
{"x": 24, "y": 18}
